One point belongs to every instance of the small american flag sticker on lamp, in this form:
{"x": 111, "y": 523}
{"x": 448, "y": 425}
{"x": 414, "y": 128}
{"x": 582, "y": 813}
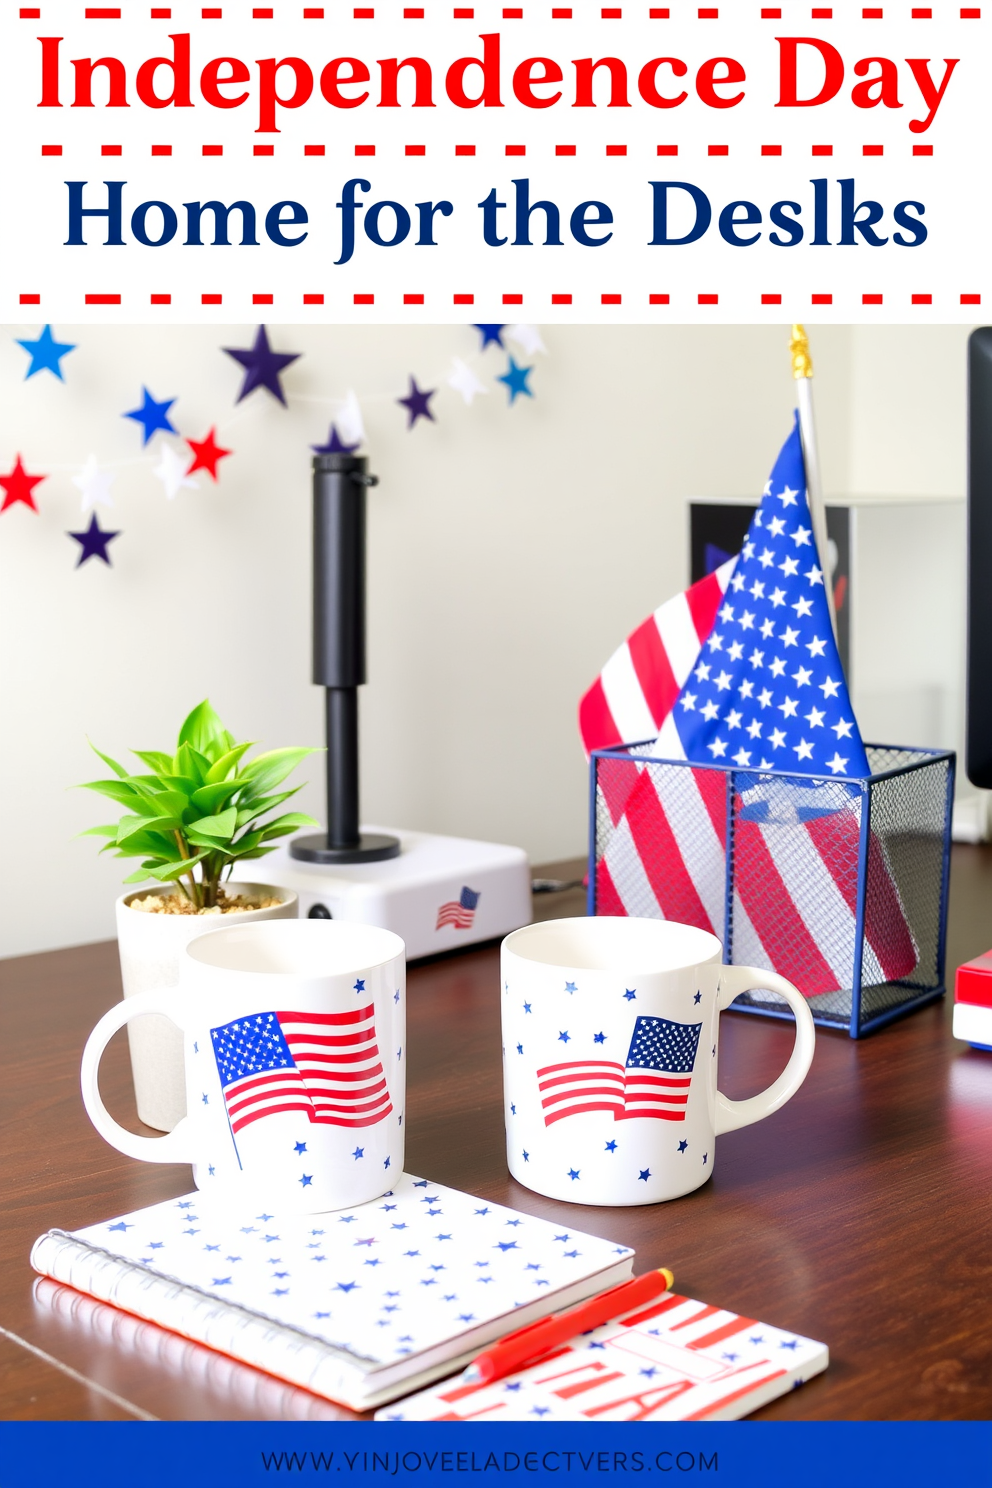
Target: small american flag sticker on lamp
{"x": 459, "y": 912}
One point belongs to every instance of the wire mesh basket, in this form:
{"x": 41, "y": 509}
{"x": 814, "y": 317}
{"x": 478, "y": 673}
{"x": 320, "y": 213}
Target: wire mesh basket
{"x": 838, "y": 885}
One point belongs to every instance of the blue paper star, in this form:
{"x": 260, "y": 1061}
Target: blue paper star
{"x": 300, "y": 1147}
{"x": 93, "y": 542}
{"x": 417, "y": 403}
{"x": 573, "y": 1173}
{"x": 683, "y": 1145}
{"x": 335, "y": 444}
{"x": 515, "y": 380}
{"x": 262, "y": 366}
{"x": 611, "y": 1145}
{"x": 629, "y": 995}
{"x": 152, "y": 416}
{"x": 564, "y": 1036}
{"x": 307, "y": 1180}
{"x": 46, "y": 354}
{"x": 644, "y": 1175}
{"x": 599, "y": 1038}
{"x": 491, "y": 333}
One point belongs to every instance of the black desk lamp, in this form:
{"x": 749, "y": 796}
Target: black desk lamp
{"x": 339, "y": 485}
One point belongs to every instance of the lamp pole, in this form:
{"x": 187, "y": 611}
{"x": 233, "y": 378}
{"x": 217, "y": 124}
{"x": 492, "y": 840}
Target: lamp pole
{"x": 340, "y": 482}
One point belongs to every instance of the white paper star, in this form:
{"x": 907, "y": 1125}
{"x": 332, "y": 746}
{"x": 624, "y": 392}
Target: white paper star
{"x": 171, "y": 471}
{"x": 94, "y": 484}
{"x": 464, "y": 381}
{"x": 528, "y": 337}
{"x": 349, "y": 421}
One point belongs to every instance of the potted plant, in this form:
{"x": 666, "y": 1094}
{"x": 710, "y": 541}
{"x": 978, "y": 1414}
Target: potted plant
{"x": 190, "y": 818}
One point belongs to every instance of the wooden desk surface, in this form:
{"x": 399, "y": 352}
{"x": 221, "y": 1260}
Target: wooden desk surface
{"x": 859, "y": 1214}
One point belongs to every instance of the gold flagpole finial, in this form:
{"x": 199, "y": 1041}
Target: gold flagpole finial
{"x": 802, "y": 362}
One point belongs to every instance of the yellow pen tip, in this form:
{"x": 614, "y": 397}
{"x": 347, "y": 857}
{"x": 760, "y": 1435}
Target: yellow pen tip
{"x": 669, "y": 1278}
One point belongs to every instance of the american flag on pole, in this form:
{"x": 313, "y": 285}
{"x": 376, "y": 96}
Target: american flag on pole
{"x": 765, "y": 691}
{"x": 654, "y": 1081}
{"x": 459, "y": 912}
{"x": 326, "y": 1065}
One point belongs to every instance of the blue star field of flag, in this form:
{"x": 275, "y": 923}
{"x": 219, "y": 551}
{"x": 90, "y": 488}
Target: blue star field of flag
{"x": 660, "y": 1044}
{"x": 768, "y": 690}
{"x": 419, "y": 1265}
{"x": 250, "y": 1046}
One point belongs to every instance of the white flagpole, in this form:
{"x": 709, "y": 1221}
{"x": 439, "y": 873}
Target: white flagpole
{"x": 802, "y": 371}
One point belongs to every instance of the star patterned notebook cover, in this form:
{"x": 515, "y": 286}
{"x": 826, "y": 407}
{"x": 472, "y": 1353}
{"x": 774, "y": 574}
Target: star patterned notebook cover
{"x": 348, "y": 1303}
{"x": 676, "y": 1360}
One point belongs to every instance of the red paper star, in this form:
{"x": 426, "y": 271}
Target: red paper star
{"x": 18, "y": 486}
{"x": 206, "y": 453}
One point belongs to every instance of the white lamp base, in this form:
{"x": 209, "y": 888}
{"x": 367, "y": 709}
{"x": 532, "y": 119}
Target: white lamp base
{"x": 416, "y": 894}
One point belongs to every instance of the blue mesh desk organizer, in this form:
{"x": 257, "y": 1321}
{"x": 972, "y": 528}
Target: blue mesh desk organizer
{"x": 840, "y": 885}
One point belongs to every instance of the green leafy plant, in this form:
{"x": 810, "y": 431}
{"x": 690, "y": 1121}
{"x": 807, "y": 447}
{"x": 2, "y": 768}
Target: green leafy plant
{"x": 198, "y": 811}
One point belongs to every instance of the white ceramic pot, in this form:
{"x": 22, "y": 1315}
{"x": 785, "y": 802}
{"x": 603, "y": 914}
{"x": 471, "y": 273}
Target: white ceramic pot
{"x": 151, "y": 946}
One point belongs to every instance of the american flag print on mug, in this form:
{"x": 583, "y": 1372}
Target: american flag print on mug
{"x": 654, "y": 1081}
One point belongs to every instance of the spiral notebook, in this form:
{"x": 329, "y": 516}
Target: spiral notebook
{"x": 358, "y": 1305}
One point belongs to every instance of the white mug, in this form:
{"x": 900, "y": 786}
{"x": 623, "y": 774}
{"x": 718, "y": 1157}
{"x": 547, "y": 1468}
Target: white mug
{"x": 294, "y": 1043}
{"x": 610, "y": 1039}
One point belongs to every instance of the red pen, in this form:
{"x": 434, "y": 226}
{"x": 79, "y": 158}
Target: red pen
{"x": 528, "y": 1344}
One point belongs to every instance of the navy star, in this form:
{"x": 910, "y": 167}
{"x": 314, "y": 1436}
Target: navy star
{"x": 307, "y": 1180}
{"x": 564, "y": 1036}
{"x": 683, "y": 1145}
{"x": 335, "y": 444}
{"x": 358, "y": 1152}
{"x": 596, "y": 1345}
{"x": 262, "y": 366}
{"x": 360, "y": 985}
{"x": 432, "y": 1212}
{"x": 491, "y": 333}
{"x": 730, "y": 1358}
{"x": 300, "y": 1147}
{"x": 540, "y": 1410}
{"x": 570, "y": 987}
{"x": 466, "y": 1317}
{"x": 573, "y": 1173}
{"x": 398, "y": 1226}
{"x": 93, "y": 542}
{"x": 698, "y": 997}
{"x": 120, "y": 1225}
{"x": 517, "y": 1386}
{"x": 790, "y": 1344}
{"x": 513, "y": 1112}
{"x": 650, "y": 1373}
{"x": 483, "y": 1211}
{"x": 386, "y": 1162}
{"x": 514, "y": 1222}
{"x": 629, "y": 995}
{"x": 428, "y": 1281}
{"x": 396, "y": 995}
{"x": 506, "y": 1245}
{"x": 318, "y": 1258}
{"x": 520, "y": 1048}
{"x": 705, "y": 1156}
{"x": 644, "y": 1175}
{"x": 346, "y": 1286}
{"x": 387, "y": 1206}
{"x": 152, "y": 416}
{"x": 532, "y": 1266}
{"x": 527, "y": 1007}
{"x": 417, "y": 403}
{"x": 514, "y": 379}
{"x": 599, "y": 1038}
{"x": 563, "y": 1237}
{"x": 442, "y": 1237}
{"x": 411, "y": 1252}
{"x": 759, "y": 1339}
{"x": 46, "y": 354}
{"x": 714, "y": 1051}
{"x": 611, "y": 1146}
{"x": 420, "y": 1183}
{"x": 526, "y": 1155}
{"x": 571, "y": 1254}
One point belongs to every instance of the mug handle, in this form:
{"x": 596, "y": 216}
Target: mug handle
{"x": 175, "y": 1146}
{"x": 734, "y": 980}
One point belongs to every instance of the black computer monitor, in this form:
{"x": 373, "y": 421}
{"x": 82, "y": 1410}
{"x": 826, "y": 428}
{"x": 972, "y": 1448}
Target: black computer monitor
{"x": 979, "y": 730}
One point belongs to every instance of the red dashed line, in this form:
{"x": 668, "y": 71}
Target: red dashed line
{"x": 261, "y": 299}
{"x": 516, "y": 150}
{"x": 771, "y": 149}
{"x": 51, "y": 149}
{"x": 161, "y": 14}
{"x": 160, "y": 299}
{"x": 823, "y": 15}
{"x": 564, "y": 149}
{"x": 102, "y": 299}
{"x": 659, "y": 299}
{"x": 263, "y": 149}
{"x": 561, "y": 299}
{"x": 161, "y": 149}
{"x": 966, "y": 299}
{"x": 616, "y": 149}
{"x": 313, "y": 299}
{"x": 822, "y": 299}
{"x": 923, "y": 149}
{"x": 463, "y": 14}
{"x": 415, "y": 150}
{"x": 718, "y": 149}
{"x": 771, "y": 15}
{"x": 111, "y": 150}
{"x": 260, "y": 14}
{"x": 213, "y": 149}
{"x": 708, "y": 15}
{"x": 413, "y": 13}
{"x": 610, "y": 299}
{"x": 464, "y": 149}
{"x": 413, "y": 299}
{"x": 101, "y": 13}
{"x": 668, "y": 149}
{"x": 871, "y": 15}
{"x": 611, "y": 13}
{"x": 32, "y": 14}
{"x": 314, "y": 149}
{"x": 463, "y": 299}
{"x": 871, "y": 299}
{"x": 211, "y": 13}
{"x": 771, "y": 299}
{"x": 513, "y": 299}
{"x": 659, "y": 13}
{"x": 823, "y": 149}
{"x": 873, "y": 149}
{"x": 561, "y": 14}
{"x": 364, "y": 13}
{"x": 211, "y": 299}
{"x": 921, "y": 299}
{"x": 971, "y": 15}
{"x": 707, "y": 299}
{"x": 513, "y": 13}
{"x": 365, "y": 149}
{"x": 922, "y": 15}
{"x": 363, "y": 299}
{"x": 34, "y": 299}
{"x": 313, "y": 13}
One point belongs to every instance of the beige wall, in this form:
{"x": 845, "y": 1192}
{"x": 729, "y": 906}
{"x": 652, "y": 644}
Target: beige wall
{"x": 510, "y": 551}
